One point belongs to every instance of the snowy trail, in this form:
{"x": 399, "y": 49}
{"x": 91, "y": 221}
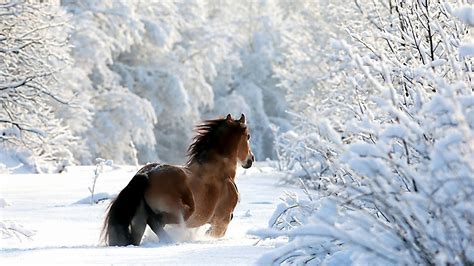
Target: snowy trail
{"x": 67, "y": 232}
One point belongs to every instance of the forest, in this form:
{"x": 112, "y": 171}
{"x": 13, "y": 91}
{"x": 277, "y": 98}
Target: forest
{"x": 366, "y": 106}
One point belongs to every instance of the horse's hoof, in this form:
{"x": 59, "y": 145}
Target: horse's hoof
{"x": 213, "y": 233}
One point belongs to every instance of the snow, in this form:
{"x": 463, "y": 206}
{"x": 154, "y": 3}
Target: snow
{"x": 10, "y": 162}
{"x": 465, "y": 14}
{"x": 63, "y": 231}
{"x": 3, "y": 203}
{"x": 466, "y": 49}
{"x": 97, "y": 197}
{"x": 438, "y": 62}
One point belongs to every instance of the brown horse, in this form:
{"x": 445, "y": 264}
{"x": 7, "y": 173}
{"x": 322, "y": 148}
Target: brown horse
{"x": 201, "y": 192}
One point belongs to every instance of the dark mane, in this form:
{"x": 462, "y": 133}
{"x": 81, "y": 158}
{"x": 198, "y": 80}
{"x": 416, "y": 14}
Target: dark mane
{"x": 208, "y": 138}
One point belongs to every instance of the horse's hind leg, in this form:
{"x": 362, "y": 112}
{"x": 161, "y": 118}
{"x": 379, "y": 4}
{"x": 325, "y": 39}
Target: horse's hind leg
{"x": 155, "y": 221}
{"x": 119, "y": 236}
{"x": 138, "y": 224}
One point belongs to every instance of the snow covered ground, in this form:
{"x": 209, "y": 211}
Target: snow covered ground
{"x": 65, "y": 231}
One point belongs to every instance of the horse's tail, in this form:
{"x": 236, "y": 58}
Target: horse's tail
{"x": 116, "y": 229}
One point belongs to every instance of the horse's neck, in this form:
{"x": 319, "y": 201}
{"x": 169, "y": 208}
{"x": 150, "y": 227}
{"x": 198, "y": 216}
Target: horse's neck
{"x": 214, "y": 170}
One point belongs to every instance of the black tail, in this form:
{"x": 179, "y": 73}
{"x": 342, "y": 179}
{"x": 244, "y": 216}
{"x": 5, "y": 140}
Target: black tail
{"x": 116, "y": 230}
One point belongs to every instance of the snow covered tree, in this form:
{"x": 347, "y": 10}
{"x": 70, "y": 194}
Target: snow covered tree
{"x": 401, "y": 184}
{"x": 111, "y": 121}
{"x": 172, "y": 68}
{"x": 315, "y": 74}
{"x": 188, "y": 60}
{"x": 33, "y": 51}
{"x": 246, "y": 82}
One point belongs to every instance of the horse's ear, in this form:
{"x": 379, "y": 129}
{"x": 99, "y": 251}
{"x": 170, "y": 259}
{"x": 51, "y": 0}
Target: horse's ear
{"x": 228, "y": 118}
{"x": 242, "y": 119}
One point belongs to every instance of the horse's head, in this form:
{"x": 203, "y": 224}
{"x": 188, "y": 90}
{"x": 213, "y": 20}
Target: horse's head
{"x": 224, "y": 137}
{"x": 244, "y": 153}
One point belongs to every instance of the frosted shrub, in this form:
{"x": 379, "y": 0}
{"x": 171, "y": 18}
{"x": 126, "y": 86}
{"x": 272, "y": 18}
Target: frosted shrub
{"x": 408, "y": 197}
{"x": 310, "y": 151}
{"x": 404, "y": 188}
{"x": 99, "y": 168}
{"x": 315, "y": 72}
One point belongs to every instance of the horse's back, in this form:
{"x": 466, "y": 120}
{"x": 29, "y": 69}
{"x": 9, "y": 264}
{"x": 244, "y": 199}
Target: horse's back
{"x": 150, "y": 167}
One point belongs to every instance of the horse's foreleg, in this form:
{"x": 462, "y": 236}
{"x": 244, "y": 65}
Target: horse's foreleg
{"x": 138, "y": 224}
{"x": 217, "y": 230}
{"x": 219, "y": 226}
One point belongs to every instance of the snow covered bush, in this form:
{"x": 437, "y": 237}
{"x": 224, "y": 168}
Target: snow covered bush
{"x": 400, "y": 190}
{"x": 33, "y": 51}
{"x": 315, "y": 73}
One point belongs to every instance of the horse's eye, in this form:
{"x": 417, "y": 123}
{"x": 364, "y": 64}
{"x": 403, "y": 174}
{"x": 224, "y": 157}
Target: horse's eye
{"x": 248, "y": 136}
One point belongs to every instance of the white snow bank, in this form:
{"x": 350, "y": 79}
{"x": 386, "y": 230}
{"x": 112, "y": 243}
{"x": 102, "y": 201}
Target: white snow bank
{"x": 98, "y": 197}
{"x": 66, "y": 232}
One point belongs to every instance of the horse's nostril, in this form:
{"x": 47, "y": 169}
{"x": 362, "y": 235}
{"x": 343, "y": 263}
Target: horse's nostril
{"x": 253, "y": 158}
{"x": 248, "y": 163}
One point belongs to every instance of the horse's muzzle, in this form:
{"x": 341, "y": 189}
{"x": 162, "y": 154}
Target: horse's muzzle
{"x": 249, "y": 162}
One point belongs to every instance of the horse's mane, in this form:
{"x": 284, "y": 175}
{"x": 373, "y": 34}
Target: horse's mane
{"x": 206, "y": 139}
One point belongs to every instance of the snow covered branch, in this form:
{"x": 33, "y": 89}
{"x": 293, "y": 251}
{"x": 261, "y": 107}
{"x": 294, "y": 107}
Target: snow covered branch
{"x": 32, "y": 52}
